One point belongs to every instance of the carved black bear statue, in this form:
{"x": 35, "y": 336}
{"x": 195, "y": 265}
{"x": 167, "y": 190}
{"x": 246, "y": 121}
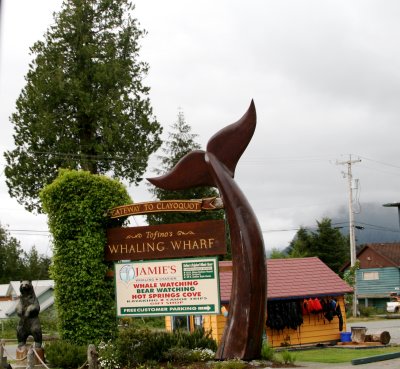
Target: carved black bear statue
{"x": 28, "y": 310}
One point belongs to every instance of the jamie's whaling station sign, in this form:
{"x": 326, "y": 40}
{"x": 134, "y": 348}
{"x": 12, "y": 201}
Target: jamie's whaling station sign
{"x": 166, "y": 241}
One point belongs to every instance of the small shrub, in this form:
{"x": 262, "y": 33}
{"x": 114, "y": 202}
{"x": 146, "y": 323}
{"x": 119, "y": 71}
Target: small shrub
{"x": 108, "y": 358}
{"x": 192, "y": 340}
{"x": 157, "y": 322}
{"x": 66, "y": 355}
{"x": 135, "y": 346}
{"x": 267, "y": 352}
{"x": 185, "y": 355}
{"x": 288, "y": 357}
{"x": 179, "y": 355}
{"x": 367, "y": 311}
{"x": 204, "y": 354}
{"x": 148, "y": 365}
{"x": 229, "y": 364}
{"x": 48, "y": 321}
{"x": 169, "y": 366}
{"x": 138, "y": 346}
{"x": 9, "y": 327}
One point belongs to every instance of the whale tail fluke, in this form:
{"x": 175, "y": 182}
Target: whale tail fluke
{"x": 190, "y": 171}
{"x": 227, "y": 145}
{"x": 230, "y": 142}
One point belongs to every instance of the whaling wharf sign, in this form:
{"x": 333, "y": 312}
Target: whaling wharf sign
{"x": 166, "y": 241}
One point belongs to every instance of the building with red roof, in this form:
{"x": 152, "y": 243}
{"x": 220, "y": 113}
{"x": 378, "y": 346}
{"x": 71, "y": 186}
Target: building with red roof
{"x": 378, "y": 275}
{"x": 293, "y": 286}
{"x": 291, "y": 278}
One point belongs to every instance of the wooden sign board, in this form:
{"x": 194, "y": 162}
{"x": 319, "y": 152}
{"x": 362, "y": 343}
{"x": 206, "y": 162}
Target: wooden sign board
{"x": 166, "y": 241}
{"x": 167, "y": 287}
{"x": 166, "y": 206}
{"x": 190, "y": 206}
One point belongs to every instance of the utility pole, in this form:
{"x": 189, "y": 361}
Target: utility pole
{"x": 353, "y": 253}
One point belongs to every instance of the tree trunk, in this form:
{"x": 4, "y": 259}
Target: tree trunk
{"x": 358, "y": 334}
{"x": 380, "y": 336}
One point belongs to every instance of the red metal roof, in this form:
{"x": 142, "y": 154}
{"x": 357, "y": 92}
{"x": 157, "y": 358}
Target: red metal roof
{"x": 291, "y": 278}
{"x": 389, "y": 251}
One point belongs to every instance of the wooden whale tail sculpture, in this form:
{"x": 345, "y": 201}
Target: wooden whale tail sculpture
{"x": 227, "y": 145}
{"x": 216, "y": 166}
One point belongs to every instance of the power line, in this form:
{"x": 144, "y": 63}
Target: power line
{"x": 345, "y": 225}
{"x": 380, "y": 162}
{"x": 29, "y": 232}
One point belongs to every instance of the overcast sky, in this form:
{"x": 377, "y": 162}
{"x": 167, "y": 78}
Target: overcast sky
{"x": 324, "y": 75}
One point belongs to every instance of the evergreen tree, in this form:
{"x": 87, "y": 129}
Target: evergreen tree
{"x": 180, "y": 142}
{"x": 301, "y": 244}
{"x": 15, "y": 264}
{"x": 84, "y": 105}
{"x": 36, "y": 266}
{"x": 330, "y": 245}
{"x": 278, "y": 254}
{"x": 326, "y": 242}
{"x": 11, "y": 266}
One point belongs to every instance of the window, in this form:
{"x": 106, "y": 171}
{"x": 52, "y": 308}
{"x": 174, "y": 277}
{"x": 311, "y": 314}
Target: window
{"x": 370, "y": 276}
{"x": 181, "y": 322}
{"x": 187, "y": 322}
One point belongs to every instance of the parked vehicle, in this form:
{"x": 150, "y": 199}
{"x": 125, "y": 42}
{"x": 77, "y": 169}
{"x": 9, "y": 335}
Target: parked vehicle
{"x": 394, "y": 305}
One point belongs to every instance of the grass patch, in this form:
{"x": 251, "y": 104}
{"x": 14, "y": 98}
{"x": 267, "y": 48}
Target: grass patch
{"x": 338, "y": 355}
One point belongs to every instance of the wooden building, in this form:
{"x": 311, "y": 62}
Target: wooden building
{"x": 291, "y": 285}
{"x": 379, "y": 273}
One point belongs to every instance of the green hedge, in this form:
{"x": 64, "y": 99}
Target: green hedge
{"x": 76, "y": 204}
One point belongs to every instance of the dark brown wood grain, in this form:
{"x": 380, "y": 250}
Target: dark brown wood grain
{"x": 164, "y": 241}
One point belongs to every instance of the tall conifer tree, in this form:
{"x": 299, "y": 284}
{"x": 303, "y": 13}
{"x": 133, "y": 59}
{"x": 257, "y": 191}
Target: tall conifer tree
{"x": 327, "y": 243}
{"x": 180, "y": 142}
{"x": 84, "y": 105}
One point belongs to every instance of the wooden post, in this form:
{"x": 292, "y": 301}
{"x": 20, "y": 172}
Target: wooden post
{"x": 1, "y": 349}
{"x": 92, "y": 357}
{"x": 3, "y": 360}
{"x": 30, "y": 359}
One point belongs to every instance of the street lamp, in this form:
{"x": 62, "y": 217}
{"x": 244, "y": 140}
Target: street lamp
{"x": 394, "y": 205}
